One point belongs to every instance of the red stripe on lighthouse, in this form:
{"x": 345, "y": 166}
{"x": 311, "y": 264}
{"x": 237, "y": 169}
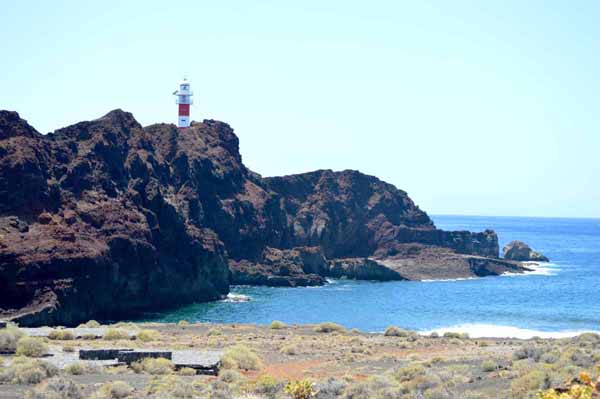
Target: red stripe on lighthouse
{"x": 184, "y": 109}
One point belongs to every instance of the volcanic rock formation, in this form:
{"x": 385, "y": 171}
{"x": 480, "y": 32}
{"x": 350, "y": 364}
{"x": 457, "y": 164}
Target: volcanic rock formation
{"x": 519, "y": 251}
{"x": 106, "y": 219}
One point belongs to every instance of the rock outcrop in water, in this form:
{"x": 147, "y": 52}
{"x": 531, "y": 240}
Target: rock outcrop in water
{"x": 519, "y": 251}
{"x": 106, "y": 219}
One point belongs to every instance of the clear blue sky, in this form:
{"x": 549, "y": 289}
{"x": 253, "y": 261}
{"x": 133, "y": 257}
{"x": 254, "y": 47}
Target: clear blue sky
{"x": 472, "y": 107}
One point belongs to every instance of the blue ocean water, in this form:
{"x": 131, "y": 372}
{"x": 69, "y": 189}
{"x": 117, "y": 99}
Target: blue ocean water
{"x": 561, "y": 298}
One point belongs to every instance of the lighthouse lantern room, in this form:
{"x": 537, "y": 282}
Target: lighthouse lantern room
{"x": 184, "y": 99}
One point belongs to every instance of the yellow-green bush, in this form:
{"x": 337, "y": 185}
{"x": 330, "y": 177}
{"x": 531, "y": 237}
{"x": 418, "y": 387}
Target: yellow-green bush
{"x": 393, "y": 331}
{"x": 114, "y": 390}
{"x": 329, "y": 327}
{"x": 25, "y": 370}
{"x": 148, "y": 335}
{"x": 31, "y": 347}
{"x": 290, "y": 349}
{"x": 113, "y": 334}
{"x": 489, "y": 366}
{"x": 9, "y": 337}
{"x": 56, "y": 388}
{"x": 240, "y": 357}
{"x": 277, "y": 325}
{"x": 267, "y": 386}
{"x": 89, "y": 324}
{"x": 61, "y": 335}
{"x": 302, "y": 389}
{"x": 155, "y": 366}
{"x": 170, "y": 386}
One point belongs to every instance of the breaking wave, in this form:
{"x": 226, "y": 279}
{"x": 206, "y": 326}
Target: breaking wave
{"x": 498, "y": 331}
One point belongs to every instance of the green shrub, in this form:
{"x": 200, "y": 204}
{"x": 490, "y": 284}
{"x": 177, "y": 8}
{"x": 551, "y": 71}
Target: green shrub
{"x": 527, "y": 385}
{"x": 489, "y": 366}
{"x": 277, "y": 325}
{"x": 113, "y": 334}
{"x": 393, "y": 331}
{"x": 61, "y": 335}
{"x": 148, "y": 335}
{"x": 240, "y": 357}
{"x": 183, "y": 323}
{"x": 31, "y": 347}
{"x": 329, "y": 327}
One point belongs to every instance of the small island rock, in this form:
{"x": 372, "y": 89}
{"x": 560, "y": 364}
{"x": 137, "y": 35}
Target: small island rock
{"x": 519, "y": 251}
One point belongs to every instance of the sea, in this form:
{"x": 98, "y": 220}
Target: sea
{"x": 558, "y": 299}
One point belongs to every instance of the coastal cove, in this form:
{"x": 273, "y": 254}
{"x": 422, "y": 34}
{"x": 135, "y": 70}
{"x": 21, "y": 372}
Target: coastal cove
{"x": 557, "y": 299}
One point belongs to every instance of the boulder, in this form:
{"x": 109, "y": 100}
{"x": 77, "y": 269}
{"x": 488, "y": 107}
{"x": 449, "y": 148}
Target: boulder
{"x": 519, "y": 251}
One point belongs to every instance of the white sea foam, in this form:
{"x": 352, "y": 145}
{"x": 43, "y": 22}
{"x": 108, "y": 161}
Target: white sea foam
{"x": 497, "y": 331}
{"x": 537, "y": 269}
{"x": 449, "y": 279}
{"x": 236, "y": 298}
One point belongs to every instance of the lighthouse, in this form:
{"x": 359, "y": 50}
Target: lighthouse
{"x": 184, "y": 99}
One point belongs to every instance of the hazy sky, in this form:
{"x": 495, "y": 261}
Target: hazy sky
{"x": 472, "y": 107}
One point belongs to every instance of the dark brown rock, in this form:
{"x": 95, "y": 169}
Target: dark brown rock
{"x": 106, "y": 219}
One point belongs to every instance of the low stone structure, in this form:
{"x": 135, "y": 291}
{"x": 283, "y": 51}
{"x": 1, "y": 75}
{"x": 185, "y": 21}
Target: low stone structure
{"x": 100, "y": 354}
{"x": 2, "y": 324}
{"x": 207, "y": 362}
{"x": 129, "y": 356}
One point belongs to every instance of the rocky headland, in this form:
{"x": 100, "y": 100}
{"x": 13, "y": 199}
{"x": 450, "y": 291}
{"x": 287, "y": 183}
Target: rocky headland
{"x": 106, "y": 219}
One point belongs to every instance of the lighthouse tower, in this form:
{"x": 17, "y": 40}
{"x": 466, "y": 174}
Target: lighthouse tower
{"x": 184, "y": 99}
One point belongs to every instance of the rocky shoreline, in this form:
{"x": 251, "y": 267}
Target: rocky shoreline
{"x": 106, "y": 219}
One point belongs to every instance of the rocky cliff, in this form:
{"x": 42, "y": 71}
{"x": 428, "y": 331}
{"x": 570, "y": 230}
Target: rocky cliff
{"x": 106, "y": 219}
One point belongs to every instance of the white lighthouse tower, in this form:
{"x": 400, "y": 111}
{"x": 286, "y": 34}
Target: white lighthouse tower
{"x": 184, "y": 99}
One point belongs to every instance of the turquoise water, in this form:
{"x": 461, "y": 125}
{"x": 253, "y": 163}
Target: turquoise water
{"x": 561, "y": 298}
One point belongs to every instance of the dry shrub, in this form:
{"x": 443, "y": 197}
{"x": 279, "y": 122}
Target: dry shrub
{"x": 329, "y": 327}
{"x": 113, "y": 334}
{"x": 9, "y": 337}
{"x": 31, "y": 347}
{"x": 114, "y": 390}
{"x": 183, "y": 323}
{"x": 157, "y": 366}
{"x": 148, "y": 335}
{"x": 240, "y": 357}
{"x": 290, "y": 350}
{"x": 277, "y": 325}
{"x": 80, "y": 368}
{"x": 61, "y": 335}
{"x": 56, "y": 388}
{"x": 170, "y": 386}
{"x": 186, "y": 371}
{"x": 268, "y": 386}
{"x": 89, "y": 324}
{"x": 393, "y": 331}
{"x": 24, "y": 370}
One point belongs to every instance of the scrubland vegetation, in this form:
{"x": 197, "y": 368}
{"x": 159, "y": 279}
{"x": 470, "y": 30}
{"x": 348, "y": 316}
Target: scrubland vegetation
{"x": 326, "y": 361}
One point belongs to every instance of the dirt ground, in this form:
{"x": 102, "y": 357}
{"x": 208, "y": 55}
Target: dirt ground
{"x": 413, "y": 365}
